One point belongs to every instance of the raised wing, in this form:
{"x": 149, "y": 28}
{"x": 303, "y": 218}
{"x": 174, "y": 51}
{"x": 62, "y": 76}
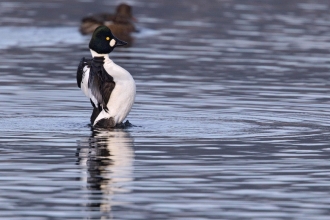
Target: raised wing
{"x": 80, "y": 71}
{"x": 107, "y": 87}
{"x": 100, "y": 83}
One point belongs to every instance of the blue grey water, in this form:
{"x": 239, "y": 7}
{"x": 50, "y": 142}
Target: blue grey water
{"x": 231, "y": 120}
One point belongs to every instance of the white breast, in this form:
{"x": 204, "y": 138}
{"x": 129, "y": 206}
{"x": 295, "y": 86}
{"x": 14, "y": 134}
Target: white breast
{"x": 123, "y": 95}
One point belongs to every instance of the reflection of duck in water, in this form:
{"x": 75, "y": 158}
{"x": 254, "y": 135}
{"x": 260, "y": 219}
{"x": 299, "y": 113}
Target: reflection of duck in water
{"x": 107, "y": 166}
{"x": 120, "y": 23}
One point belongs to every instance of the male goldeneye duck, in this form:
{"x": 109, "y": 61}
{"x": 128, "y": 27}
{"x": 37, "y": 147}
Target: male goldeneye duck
{"x": 110, "y": 88}
{"x": 120, "y": 23}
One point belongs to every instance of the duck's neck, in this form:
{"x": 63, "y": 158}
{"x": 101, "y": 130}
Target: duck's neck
{"x": 95, "y": 54}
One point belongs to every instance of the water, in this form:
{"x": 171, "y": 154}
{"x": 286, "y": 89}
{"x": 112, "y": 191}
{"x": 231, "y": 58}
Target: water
{"x": 231, "y": 119}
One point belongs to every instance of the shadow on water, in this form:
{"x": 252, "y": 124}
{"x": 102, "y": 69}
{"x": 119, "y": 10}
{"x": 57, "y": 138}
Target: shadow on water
{"x": 107, "y": 169}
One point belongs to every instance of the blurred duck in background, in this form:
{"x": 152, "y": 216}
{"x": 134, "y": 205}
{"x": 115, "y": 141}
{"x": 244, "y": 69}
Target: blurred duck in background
{"x": 121, "y": 23}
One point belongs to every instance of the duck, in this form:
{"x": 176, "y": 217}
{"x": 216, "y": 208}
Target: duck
{"x": 120, "y": 23}
{"x": 110, "y": 88}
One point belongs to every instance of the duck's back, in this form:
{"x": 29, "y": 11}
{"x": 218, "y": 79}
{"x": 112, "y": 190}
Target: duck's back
{"x": 123, "y": 94}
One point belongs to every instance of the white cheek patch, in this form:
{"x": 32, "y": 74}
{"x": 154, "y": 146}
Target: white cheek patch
{"x": 112, "y": 42}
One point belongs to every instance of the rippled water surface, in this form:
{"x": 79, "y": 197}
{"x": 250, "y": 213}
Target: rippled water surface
{"x": 231, "y": 119}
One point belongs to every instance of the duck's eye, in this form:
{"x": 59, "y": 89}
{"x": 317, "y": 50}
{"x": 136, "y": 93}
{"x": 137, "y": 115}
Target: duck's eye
{"x": 107, "y": 38}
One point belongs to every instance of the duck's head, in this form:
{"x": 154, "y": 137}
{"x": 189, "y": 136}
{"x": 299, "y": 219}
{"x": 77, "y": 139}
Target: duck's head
{"x": 103, "y": 41}
{"x": 124, "y": 10}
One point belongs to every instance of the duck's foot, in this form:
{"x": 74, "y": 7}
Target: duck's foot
{"x": 106, "y": 123}
{"x": 109, "y": 123}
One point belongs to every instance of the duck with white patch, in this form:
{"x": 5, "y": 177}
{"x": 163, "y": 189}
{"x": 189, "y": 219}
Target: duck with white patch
{"x": 110, "y": 88}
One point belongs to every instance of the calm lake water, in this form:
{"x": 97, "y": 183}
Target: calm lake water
{"x": 231, "y": 120}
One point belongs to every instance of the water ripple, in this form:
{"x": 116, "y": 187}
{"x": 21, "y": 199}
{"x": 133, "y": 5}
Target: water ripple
{"x": 230, "y": 120}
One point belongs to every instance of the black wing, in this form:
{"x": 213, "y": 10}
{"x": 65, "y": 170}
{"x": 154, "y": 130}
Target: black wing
{"x": 80, "y": 71}
{"x": 107, "y": 87}
{"x": 100, "y": 82}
